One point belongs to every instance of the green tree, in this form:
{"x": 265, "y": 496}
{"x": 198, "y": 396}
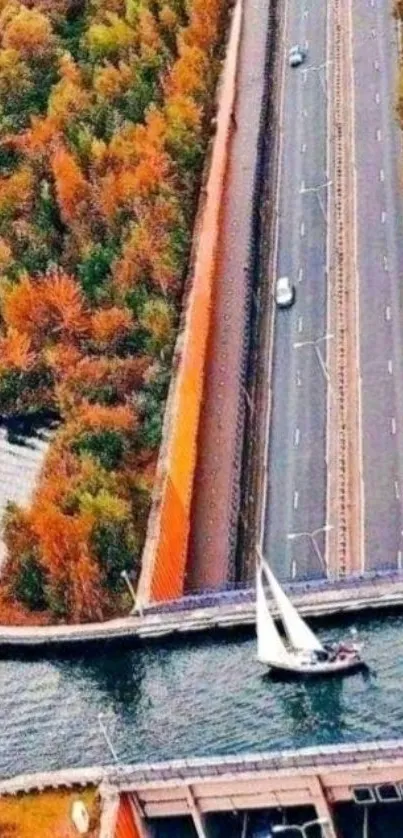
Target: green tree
{"x": 30, "y": 583}
{"x": 116, "y": 549}
{"x": 94, "y": 271}
{"x": 106, "y": 446}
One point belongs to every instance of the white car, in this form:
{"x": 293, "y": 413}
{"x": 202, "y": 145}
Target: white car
{"x": 285, "y": 292}
{"x": 296, "y": 56}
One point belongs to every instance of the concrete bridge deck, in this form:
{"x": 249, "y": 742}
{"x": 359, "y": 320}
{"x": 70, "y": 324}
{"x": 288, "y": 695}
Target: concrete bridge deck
{"x": 319, "y": 777}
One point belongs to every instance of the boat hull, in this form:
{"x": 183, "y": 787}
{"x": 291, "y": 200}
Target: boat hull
{"x": 322, "y": 670}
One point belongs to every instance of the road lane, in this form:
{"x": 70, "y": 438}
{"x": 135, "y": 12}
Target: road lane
{"x": 380, "y": 266}
{"x": 296, "y": 497}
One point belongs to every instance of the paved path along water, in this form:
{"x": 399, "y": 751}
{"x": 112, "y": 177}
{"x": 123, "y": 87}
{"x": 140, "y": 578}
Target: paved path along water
{"x": 190, "y": 699}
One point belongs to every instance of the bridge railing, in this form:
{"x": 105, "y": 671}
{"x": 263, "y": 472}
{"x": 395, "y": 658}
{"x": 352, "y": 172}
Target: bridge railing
{"x": 237, "y": 593}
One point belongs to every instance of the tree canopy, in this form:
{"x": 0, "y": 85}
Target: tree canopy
{"x": 104, "y": 114}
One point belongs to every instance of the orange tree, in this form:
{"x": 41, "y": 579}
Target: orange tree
{"x": 104, "y": 106}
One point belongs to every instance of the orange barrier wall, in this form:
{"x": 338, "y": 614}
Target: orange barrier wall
{"x": 164, "y": 555}
{"x": 125, "y": 826}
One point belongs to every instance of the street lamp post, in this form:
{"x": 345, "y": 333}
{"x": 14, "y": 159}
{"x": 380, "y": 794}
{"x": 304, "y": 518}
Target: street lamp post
{"x": 302, "y": 829}
{"x": 107, "y": 738}
{"x": 292, "y": 536}
{"x": 314, "y": 344}
{"x": 317, "y": 190}
{"x": 124, "y": 574}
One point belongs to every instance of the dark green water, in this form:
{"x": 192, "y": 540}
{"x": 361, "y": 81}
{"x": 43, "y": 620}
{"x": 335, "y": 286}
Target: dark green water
{"x": 191, "y": 699}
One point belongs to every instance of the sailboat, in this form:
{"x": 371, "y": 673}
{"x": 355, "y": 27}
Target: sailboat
{"x": 304, "y": 654}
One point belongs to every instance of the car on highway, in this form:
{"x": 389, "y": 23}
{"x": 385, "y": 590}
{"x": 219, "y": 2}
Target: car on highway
{"x": 296, "y": 56}
{"x": 285, "y": 292}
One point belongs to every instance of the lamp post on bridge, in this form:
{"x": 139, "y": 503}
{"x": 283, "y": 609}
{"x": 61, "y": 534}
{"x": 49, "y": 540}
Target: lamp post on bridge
{"x": 136, "y": 604}
{"x": 315, "y": 344}
{"x": 292, "y": 536}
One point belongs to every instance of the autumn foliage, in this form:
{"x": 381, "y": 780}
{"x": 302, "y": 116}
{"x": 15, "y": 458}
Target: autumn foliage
{"x": 105, "y": 106}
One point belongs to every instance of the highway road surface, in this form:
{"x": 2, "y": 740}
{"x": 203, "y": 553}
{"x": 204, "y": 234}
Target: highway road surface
{"x": 296, "y": 496}
{"x": 379, "y": 163}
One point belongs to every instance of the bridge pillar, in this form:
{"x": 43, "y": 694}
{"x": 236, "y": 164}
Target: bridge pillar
{"x": 322, "y": 807}
{"x": 198, "y": 818}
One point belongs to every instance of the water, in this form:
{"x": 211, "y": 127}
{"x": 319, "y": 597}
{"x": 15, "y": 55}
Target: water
{"x": 191, "y": 698}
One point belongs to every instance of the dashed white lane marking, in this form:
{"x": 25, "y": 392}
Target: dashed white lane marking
{"x": 372, "y": 3}
{"x": 303, "y": 148}
{"x": 300, "y": 275}
{"x": 383, "y": 217}
{"x": 381, "y": 175}
{"x": 299, "y": 325}
{"x": 388, "y": 312}
{"x": 305, "y": 112}
{"x": 302, "y": 229}
{"x": 297, "y": 436}
{"x": 377, "y": 98}
{"x": 306, "y": 44}
{"x": 296, "y": 499}
{"x": 379, "y": 135}
{"x": 305, "y": 12}
{"x": 385, "y": 263}
{"x": 376, "y": 65}
{"x": 399, "y": 559}
{"x": 299, "y": 382}
{"x": 393, "y": 425}
{"x": 390, "y": 366}
{"x": 293, "y": 569}
{"x": 302, "y": 187}
{"x": 397, "y": 490}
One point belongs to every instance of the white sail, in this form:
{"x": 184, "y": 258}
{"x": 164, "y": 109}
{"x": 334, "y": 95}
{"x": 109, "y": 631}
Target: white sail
{"x": 299, "y": 634}
{"x": 270, "y": 647}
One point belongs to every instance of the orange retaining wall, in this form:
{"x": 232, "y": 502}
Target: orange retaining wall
{"x": 164, "y": 556}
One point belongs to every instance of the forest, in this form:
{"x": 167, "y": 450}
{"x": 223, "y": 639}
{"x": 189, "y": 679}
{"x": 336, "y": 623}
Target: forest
{"x": 105, "y": 108}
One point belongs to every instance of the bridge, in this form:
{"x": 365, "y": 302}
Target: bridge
{"x": 321, "y": 778}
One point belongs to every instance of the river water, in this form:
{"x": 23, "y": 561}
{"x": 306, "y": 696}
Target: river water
{"x": 191, "y": 698}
